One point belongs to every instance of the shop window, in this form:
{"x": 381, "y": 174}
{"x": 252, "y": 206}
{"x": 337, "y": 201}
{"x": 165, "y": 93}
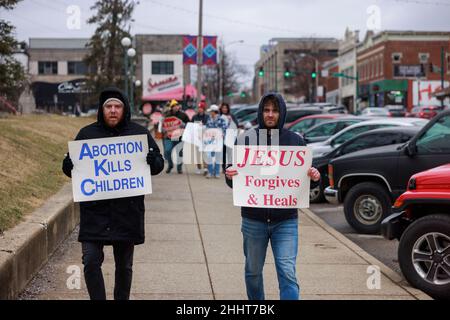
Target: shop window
{"x": 48, "y": 67}
{"x": 162, "y": 67}
{"x": 76, "y": 67}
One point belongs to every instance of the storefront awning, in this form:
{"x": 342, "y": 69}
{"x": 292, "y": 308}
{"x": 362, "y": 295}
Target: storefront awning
{"x": 389, "y": 85}
{"x": 176, "y": 94}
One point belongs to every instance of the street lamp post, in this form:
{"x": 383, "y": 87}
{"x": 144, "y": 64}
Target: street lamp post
{"x": 222, "y": 68}
{"x": 126, "y": 42}
{"x": 131, "y": 52}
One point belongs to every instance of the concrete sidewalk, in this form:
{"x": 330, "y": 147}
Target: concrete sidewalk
{"x": 193, "y": 250}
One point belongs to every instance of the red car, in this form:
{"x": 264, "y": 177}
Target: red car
{"x": 426, "y": 112}
{"x": 305, "y": 123}
{"x": 421, "y": 221}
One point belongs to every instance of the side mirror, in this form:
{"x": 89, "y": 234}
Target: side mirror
{"x": 410, "y": 149}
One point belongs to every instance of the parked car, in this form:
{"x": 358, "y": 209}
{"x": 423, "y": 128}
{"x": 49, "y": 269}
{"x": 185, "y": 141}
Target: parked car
{"x": 249, "y": 119}
{"x": 370, "y": 139}
{"x": 426, "y": 112}
{"x": 307, "y": 122}
{"x": 296, "y": 112}
{"x": 369, "y": 181}
{"x": 320, "y": 148}
{"x": 242, "y": 112}
{"x": 420, "y": 219}
{"x": 328, "y": 107}
{"x": 375, "y": 112}
{"x": 396, "y": 110}
{"x": 324, "y": 130}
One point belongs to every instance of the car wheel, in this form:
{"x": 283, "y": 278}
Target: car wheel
{"x": 424, "y": 255}
{"x": 366, "y": 205}
{"x": 316, "y": 194}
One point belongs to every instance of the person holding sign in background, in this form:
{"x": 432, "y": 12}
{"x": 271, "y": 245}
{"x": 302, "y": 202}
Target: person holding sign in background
{"x": 119, "y": 221}
{"x": 214, "y": 150}
{"x": 200, "y": 117}
{"x": 172, "y": 127}
{"x": 279, "y": 225}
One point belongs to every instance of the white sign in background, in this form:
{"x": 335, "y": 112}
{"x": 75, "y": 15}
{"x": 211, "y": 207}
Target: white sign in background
{"x": 110, "y": 168}
{"x": 272, "y": 177}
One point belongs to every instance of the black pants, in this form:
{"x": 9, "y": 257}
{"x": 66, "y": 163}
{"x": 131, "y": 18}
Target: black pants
{"x": 93, "y": 259}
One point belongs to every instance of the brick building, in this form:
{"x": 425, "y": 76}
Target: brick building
{"x": 396, "y": 67}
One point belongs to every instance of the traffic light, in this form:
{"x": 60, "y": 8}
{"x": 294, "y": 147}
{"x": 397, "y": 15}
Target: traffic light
{"x": 313, "y": 74}
{"x": 287, "y": 73}
{"x": 261, "y": 72}
{"x": 243, "y": 94}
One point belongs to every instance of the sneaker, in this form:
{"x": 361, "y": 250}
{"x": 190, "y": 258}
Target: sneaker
{"x": 208, "y": 176}
{"x": 217, "y": 176}
{"x": 168, "y": 170}
{"x": 205, "y": 172}
{"x": 180, "y": 171}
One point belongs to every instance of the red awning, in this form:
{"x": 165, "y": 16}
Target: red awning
{"x": 176, "y": 94}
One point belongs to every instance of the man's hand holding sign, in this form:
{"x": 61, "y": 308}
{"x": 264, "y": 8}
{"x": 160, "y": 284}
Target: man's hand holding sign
{"x": 272, "y": 177}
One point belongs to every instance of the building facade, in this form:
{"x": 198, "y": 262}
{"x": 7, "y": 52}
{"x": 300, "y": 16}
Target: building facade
{"x": 348, "y": 67}
{"x": 160, "y": 68}
{"x": 57, "y": 72}
{"x": 400, "y": 67}
{"x": 286, "y": 65}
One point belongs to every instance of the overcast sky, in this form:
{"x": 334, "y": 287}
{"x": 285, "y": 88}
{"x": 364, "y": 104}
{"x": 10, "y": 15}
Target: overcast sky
{"x": 254, "y": 21}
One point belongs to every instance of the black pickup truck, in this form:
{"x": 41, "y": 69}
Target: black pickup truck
{"x": 369, "y": 181}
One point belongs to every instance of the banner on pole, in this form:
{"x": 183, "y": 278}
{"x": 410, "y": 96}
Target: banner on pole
{"x": 190, "y": 49}
{"x": 209, "y": 50}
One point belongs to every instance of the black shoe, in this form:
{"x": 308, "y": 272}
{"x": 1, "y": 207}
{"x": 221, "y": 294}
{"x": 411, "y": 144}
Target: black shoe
{"x": 168, "y": 170}
{"x": 180, "y": 171}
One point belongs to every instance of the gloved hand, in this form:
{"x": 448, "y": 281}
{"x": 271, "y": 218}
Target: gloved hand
{"x": 151, "y": 156}
{"x": 67, "y": 163}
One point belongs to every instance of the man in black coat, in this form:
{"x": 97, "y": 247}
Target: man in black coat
{"x": 118, "y": 222}
{"x": 277, "y": 225}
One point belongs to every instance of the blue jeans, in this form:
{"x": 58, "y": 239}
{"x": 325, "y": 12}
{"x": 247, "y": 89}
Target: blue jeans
{"x": 283, "y": 238}
{"x": 168, "y": 147}
{"x": 214, "y": 166}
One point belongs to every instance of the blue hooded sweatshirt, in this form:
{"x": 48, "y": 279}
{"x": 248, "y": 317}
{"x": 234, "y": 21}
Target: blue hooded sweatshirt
{"x": 286, "y": 138}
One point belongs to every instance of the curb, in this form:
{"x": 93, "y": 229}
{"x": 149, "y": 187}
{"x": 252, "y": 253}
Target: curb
{"x": 388, "y": 272}
{"x": 25, "y": 248}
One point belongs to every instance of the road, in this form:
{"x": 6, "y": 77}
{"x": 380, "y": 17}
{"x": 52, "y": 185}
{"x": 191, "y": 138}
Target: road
{"x": 382, "y": 249}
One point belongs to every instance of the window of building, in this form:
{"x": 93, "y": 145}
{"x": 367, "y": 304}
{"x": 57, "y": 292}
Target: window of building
{"x": 381, "y": 65}
{"x": 396, "y": 57}
{"x": 448, "y": 62}
{"x": 48, "y": 67}
{"x": 162, "y": 67}
{"x": 423, "y": 57}
{"x": 76, "y": 67}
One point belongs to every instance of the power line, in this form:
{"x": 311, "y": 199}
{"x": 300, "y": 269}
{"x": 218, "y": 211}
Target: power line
{"x": 266, "y": 27}
{"x": 422, "y": 2}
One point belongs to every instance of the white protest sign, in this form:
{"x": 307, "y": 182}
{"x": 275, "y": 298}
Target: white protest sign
{"x": 212, "y": 140}
{"x": 231, "y": 135}
{"x": 271, "y": 176}
{"x": 110, "y": 168}
{"x": 193, "y": 134}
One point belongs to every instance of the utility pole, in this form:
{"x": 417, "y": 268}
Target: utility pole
{"x": 199, "y": 53}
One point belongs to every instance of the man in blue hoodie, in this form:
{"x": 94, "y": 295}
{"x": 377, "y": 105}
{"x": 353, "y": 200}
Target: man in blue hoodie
{"x": 280, "y": 226}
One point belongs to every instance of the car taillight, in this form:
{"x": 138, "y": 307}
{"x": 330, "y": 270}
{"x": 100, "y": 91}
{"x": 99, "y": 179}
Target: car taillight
{"x": 330, "y": 175}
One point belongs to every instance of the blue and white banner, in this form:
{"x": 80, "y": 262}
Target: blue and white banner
{"x": 110, "y": 168}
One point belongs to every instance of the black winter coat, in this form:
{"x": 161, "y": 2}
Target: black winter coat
{"x": 120, "y": 219}
{"x": 286, "y": 138}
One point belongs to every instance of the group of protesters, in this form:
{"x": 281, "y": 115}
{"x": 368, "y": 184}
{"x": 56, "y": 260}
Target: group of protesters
{"x": 210, "y": 161}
